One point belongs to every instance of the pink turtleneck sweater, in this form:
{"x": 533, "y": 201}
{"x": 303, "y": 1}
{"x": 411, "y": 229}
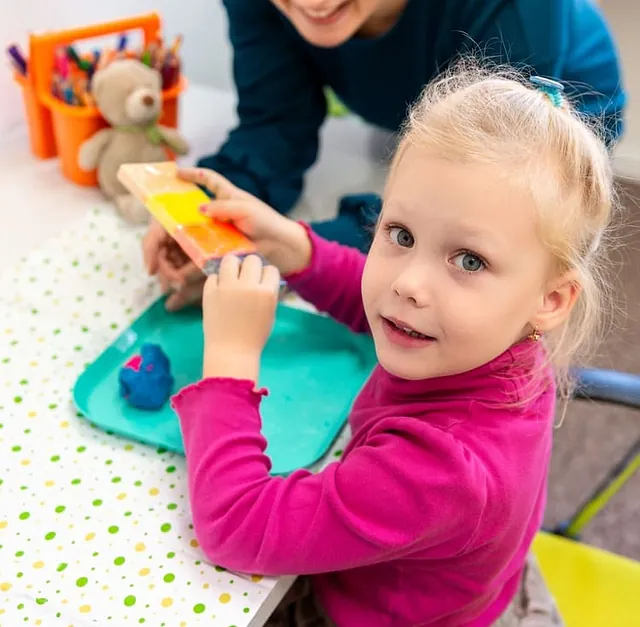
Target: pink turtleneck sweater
{"x": 428, "y": 517}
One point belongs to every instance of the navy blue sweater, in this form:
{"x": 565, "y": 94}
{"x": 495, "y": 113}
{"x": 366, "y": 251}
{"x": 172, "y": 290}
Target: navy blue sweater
{"x": 280, "y": 78}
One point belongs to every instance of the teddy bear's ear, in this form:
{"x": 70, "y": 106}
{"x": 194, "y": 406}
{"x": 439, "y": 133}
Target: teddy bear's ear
{"x": 96, "y": 84}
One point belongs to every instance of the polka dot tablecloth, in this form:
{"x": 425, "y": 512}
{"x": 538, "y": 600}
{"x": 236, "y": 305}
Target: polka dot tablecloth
{"x": 94, "y": 529}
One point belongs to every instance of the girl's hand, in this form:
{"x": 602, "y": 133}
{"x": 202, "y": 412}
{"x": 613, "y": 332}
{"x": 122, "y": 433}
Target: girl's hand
{"x": 281, "y": 241}
{"x": 238, "y": 307}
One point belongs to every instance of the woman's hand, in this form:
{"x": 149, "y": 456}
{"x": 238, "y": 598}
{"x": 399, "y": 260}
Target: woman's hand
{"x": 176, "y": 273}
{"x": 238, "y": 308}
{"x": 281, "y": 241}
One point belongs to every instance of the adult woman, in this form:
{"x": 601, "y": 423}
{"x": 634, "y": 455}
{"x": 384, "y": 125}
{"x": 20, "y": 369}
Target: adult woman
{"x": 377, "y": 55}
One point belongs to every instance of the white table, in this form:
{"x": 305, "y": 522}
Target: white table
{"x": 94, "y": 528}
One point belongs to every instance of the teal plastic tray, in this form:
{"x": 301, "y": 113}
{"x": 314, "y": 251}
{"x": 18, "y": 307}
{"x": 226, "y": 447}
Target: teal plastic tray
{"x": 312, "y": 366}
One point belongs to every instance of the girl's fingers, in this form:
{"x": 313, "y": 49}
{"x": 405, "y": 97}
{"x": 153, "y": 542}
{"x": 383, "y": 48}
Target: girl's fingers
{"x": 229, "y": 269}
{"x": 251, "y": 270}
{"x": 214, "y": 182}
{"x": 271, "y": 278}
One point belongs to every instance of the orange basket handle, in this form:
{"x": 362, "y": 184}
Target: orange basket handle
{"x": 42, "y": 46}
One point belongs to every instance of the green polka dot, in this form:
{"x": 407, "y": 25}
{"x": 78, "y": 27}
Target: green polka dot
{"x": 97, "y": 502}
{"x": 24, "y": 515}
{"x": 138, "y": 483}
{"x": 113, "y": 529}
{"x": 19, "y": 553}
{"x": 17, "y": 399}
{"x": 23, "y": 382}
{"x": 61, "y": 567}
{"x": 119, "y": 561}
{"x": 55, "y": 458}
{"x": 220, "y": 569}
{"x": 108, "y": 462}
{"x": 169, "y": 577}
{"x": 16, "y": 449}
{"x": 170, "y": 469}
{"x": 41, "y": 601}
{"x": 50, "y": 536}
{"x": 246, "y": 610}
{"x": 53, "y": 406}
{"x": 171, "y": 555}
{"x": 130, "y": 601}
{"x": 81, "y": 449}
{"x": 76, "y": 482}
{"x": 116, "y": 480}
{"x": 60, "y": 509}
{"x": 199, "y": 608}
{"x": 172, "y": 506}
{"x": 165, "y": 528}
{"x": 82, "y": 582}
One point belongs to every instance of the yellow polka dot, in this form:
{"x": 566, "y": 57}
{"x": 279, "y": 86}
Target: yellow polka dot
{"x": 154, "y": 491}
{"x": 5, "y": 586}
{"x": 85, "y": 609}
{"x": 183, "y": 624}
{"x": 49, "y": 483}
{"x": 65, "y": 601}
{"x": 140, "y": 547}
{"x": 121, "y": 496}
{"x": 33, "y": 364}
{"x": 90, "y": 536}
{"x": 256, "y": 578}
{"x": 167, "y": 602}
{"x": 143, "y": 572}
{"x": 8, "y": 331}
{"x": 224, "y": 598}
{"x": 40, "y": 340}
{"x": 128, "y": 447}
{"x": 205, "y": 586}
{"x": 32, "y": 414}
{"x": 194, "y": 544}
{"x": 152, "y": 586}
{"x": 64, "y": 424}
{"x": 69, "y": 364}
{"x": 3, "y": 524}
{"x": 39, "y": 564}
{"x": 38, "y": 622}
{"x": 25, "y": 462}
{"x": 60, "y": 548}
{"x": 1, "y": 612}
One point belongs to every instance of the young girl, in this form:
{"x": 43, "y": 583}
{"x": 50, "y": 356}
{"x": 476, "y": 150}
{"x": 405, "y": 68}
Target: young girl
{"x": 481, "y": 283}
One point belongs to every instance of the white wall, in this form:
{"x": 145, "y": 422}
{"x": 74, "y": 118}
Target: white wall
{"x": 206, "y": 52}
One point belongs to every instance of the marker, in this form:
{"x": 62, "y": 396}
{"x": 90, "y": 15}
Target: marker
{"x": 177, "y": 42}
{"x": 122, "y": 42}
{"x": 75, "y": 57}
{"x": 17, "y": 59}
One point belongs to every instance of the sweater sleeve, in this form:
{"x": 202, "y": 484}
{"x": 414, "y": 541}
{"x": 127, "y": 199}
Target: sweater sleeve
{"x": 281, "y": 106}
{"x": 410, "y": 487}
{"x": 332, "y": 282}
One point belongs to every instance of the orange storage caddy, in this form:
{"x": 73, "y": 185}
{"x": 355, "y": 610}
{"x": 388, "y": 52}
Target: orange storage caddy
{"x": 57, "y": 128}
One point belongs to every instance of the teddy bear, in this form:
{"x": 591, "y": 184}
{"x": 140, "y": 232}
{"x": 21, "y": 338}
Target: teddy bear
{"x": 128, "y": 94}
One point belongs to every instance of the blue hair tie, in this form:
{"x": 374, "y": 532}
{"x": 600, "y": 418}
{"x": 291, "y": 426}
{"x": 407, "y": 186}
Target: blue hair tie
{"x": 550, "y": 88}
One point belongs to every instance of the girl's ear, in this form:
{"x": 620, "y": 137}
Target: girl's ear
{"x": 558, "y": 302}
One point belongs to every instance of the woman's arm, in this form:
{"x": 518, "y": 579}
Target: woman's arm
{"x": 281, "y": 106}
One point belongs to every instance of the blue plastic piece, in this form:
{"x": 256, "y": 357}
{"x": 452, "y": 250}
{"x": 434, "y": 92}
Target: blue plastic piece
{"x": 608, "y": 385}
{"x": 145, "y": 381}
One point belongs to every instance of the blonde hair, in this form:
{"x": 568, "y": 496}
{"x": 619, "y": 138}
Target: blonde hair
{"x": 493, "y": 115}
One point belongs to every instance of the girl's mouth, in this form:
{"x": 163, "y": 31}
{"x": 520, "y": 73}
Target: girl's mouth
{"x": 400, "y": 333}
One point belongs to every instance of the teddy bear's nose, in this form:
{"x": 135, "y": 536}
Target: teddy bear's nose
{"x": 148, "y": 101}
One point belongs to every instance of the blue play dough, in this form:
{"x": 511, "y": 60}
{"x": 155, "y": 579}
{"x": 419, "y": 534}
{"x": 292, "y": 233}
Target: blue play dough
{"x": 150, "y": 386}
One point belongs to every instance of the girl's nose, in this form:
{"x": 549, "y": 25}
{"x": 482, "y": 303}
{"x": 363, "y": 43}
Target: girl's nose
{"x": 411, "y": 285}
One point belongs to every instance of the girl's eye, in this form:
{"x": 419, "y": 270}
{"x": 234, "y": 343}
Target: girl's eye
{"x": 468, "y": 262}
{"x": 401, "y": 237}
